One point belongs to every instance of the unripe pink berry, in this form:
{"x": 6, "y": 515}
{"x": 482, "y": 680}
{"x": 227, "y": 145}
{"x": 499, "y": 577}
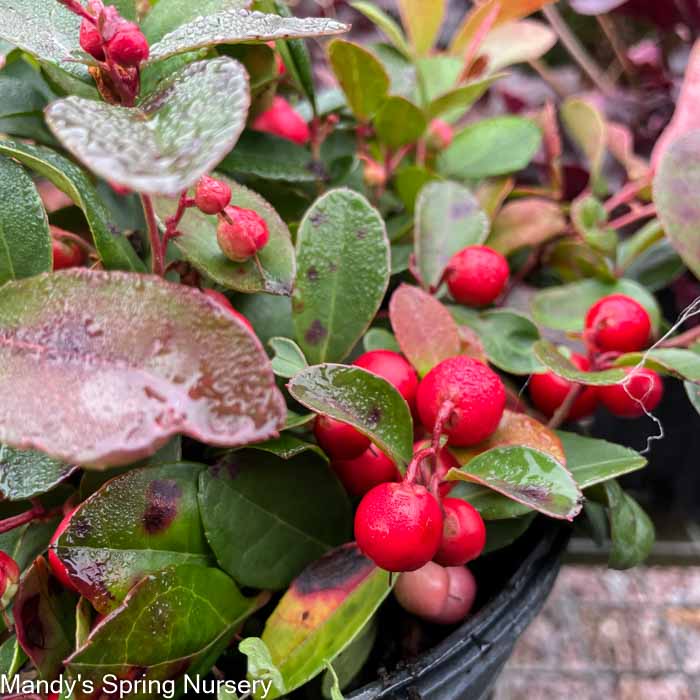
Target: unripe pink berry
{"x": 374, "y": 174}
{"x": 128, "y": 47}
{"x": 440, "y": 134}
{"x": 9, "y": 579}
{"x": 241, "y": 233}
{"x": 91, "y": 40}
{"x": 283, "y": 121}
{"x": 211, "y": 196}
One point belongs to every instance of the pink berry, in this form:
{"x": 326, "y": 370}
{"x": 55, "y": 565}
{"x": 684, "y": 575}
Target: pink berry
{"x": 283, "y": 121}
{"x": 477, "y": 275}
{"x": 128, "y": 46}
{"x": 91, "y": 40}
{"x": 211, "y": 196}
{"x": 241, "y": 233}
{"x": 618, "y": 323}
{"x": 642, "y": 390}
{"x": 440, "y": 134}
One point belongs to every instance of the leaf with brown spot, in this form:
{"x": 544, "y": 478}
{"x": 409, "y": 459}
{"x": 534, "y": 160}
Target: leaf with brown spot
{"x": 102, "y": 368}
{"x": 526, "y": 222}
{"x": 136, "y": 524}
{"x": 424, "y": 328}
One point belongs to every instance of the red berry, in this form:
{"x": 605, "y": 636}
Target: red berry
{"x": 463, "y": 533}
{"x": 477, "y": 395}
{"x": 57, "y": 566}
{"x": 339, "y": 440}
{"x": 91, "y": 40}
{"x": 548, "y": 392}
{"x": 363, "y": 473}
{"x": 9, "y": 579}
{"x": 398, "y": 526}
{"x": 220, "y": 299}
{"x": 395, "y": 369}
{"x": 642, "y": 389}
{"x": 66, "y": 253}
{"x": 128, "y": 46}
{"x": 440, "y": 134}
{"x": 241, "y": 233}
{"x": 443, "y": 595}
{"x": 283, "y": 121}
{"x": 121, "y": 190}
{"x": 211, "y": 196}
{"x": 618, "y": 323}
{"x": 477, "y": 275}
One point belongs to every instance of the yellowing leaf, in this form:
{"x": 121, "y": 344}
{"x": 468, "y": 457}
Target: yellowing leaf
{"x": 422, "y": 19}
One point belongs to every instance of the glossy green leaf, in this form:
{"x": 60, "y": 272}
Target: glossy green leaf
{"x": 456, "y": 101}
{"x": 288, "y": 358}
{"x": 448, "y": 219}
{"x": 175, "y": 621}
{"x": 234, "y": 26}
{"x": 564, "y": 308}
{"x": 501, "y": 533}
{"x": 495, "y": 146}
{"x": 288, "y": 445}
{"x": 342, "y": 254}
{"x": 115, "y": 251}
{"x": 348, "y": 664}
{"x": 363, "y": 78}
{"x": 399, "y": 122}
{"x": 322, "y": 612}
{"x": 260, "y": 665}
{"x": 515, "y": 42}
{"x": 530, "y": 221}
{"x": 19, "y": 97}
{"x": 44, "y": 618}
{"x": 270, "y": 158}
{"x": 508, "y": 337}
{"x": 262, "y": 520}
{"x": 384, "y": 23}
{"x": 25, "y": 473}
{"x": 270, "y": 315}
{"x": 12, "y": 658}
{"x": 100, "y": 368}
{"x": 548, "y": 354}
{"x": 681, "y": 363}
{"x": 380, "y": 339}
{"x": 173, "y": 137}
{"x": 136, "y": 524}
{"x": 422, "y": 21}
{"x": 424, "y": 328}
{"x": 25, "y": 241}
{"x": 198, "y": 244}
{"x": 364, "y": 400}
{"x": 677, "y": 177}
{"x": 297, "y": 420}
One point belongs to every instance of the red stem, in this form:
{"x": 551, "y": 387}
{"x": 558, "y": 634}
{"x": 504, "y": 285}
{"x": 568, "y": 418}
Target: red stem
{"x": 75, "y": 7}
{"x": 635, "y": 215}
{"x": 442, "y": 417}
{"x": 36, "y": 512}
{"x": 683, "y": 340}
{"x": 172, "y": 222}
{"x": 157, "y": 250}
{"x": 418, "y": 457}
{"x": 626, "y": 194}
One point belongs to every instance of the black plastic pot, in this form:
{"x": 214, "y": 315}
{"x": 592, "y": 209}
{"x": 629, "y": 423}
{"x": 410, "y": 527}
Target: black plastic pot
{"x": 466, "y": 664}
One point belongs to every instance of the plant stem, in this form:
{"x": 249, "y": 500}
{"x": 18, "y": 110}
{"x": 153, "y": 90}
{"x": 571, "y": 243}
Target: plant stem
{"x": 442, "y": 417}
{"x": 418, "y": 457}
{"x": 157, "y": 251}
{"x": 562, "y": 412}
{"x": 644, "y": 212}
{"x": 36, "y": 512}
{"x": 626, "y": 194}
{"x": 607, "y": 24}
{"x": 683, "y": 340}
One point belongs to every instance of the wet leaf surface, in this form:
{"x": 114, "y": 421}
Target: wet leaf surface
{"x": 557, "y": 362}
{"x": 448, "y": 219}
{"x": 424, "y": 328}
{"x": 25, "y": 473}
{"x": 342, "y": 255}
{"x": 263, "y": 521}
{"x": 323, "y": 611}
{"x": 102, "y": 368}
{"x": 135, "y": 525}
{"x": 199, "y": 245}
{"x": 364, "y": 400}
{"x": 234, "y": 26}
{"x": 150, "y": 638}
{"x": 170, "y": 140}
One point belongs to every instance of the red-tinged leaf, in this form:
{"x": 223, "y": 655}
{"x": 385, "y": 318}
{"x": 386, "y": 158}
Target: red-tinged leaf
{"x": 621, "y": 145}
{"x": 102, "y": 368}
{"x": 516, "y": 42}
{"x": 687, "y": 115}
{"x": 424, "y": 328}
{"x": 526, "y": 222}
{"x": 44, "y": 614}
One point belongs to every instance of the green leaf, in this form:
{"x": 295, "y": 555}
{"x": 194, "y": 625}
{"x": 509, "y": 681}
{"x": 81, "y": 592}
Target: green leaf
{"x": 365, "y": 400}
{"x": 586, "y": 126}
{"x": 495, "y": 146}
{"x": 409, "y": 181}
{"x": 44, "y": 618}
{"x": 100, "y": 368}
{"x": 448, "y": 219}
{"x": 322, "y": 612}
{"x": 631, "y": 531}
{"x": 287, "y": 445}
{"x": 589, "y": 218}
{"x": 384, "y": 23}
{"x": 271, "y": 158}
{"x": 348, "y": 664}
{"x": 363, "y": 78}
{"x": 334, "y": 686}
{"x": 12, "y": 658}
{"x": 693, "y": 391}
{"x": 288, "y": 358}
{"x": 270, "y": 315}
{"x": 173, "y": 137}
{"x": 681, "y": 363}
{"x": 399, "y": 122}
{"x": 678, "y": 174}
{"x": 181, "y": 618}
{"x": 456, "y": 101}
{"x": 297, "y": 420}
{"x": 593, "y": 461}
{"x": 501, "y": 533}
{"x": 564, "y": 308}
{"x": 167, "y": 15}
{"x": 508, "y": 337}
{"x": 262, "y": 520}
{"x": 657, "y": 267}
{"x": 380, "y": 339}
{"x": 260, "y": 665}
{"x": 548, "y": 354}
{"x": 19, "y": 97}
{"x": 424, "y": 328}
{"x": 136, "y": 524}
{"x": 25, "y": 473}
{"x": 342, "y": 255}
{"x": 422, "y": 21}
{"x": 235, "y": 26}
{"x": 115, "y": 250}
{"x": 530, "y": 477}
{"x": 198, "y": 244}
{"x": 25, "y": 543}
{"x": 25, "y": 241}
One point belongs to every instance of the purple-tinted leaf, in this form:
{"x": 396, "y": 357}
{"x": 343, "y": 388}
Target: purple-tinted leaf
{"x": 102, "y": 368}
